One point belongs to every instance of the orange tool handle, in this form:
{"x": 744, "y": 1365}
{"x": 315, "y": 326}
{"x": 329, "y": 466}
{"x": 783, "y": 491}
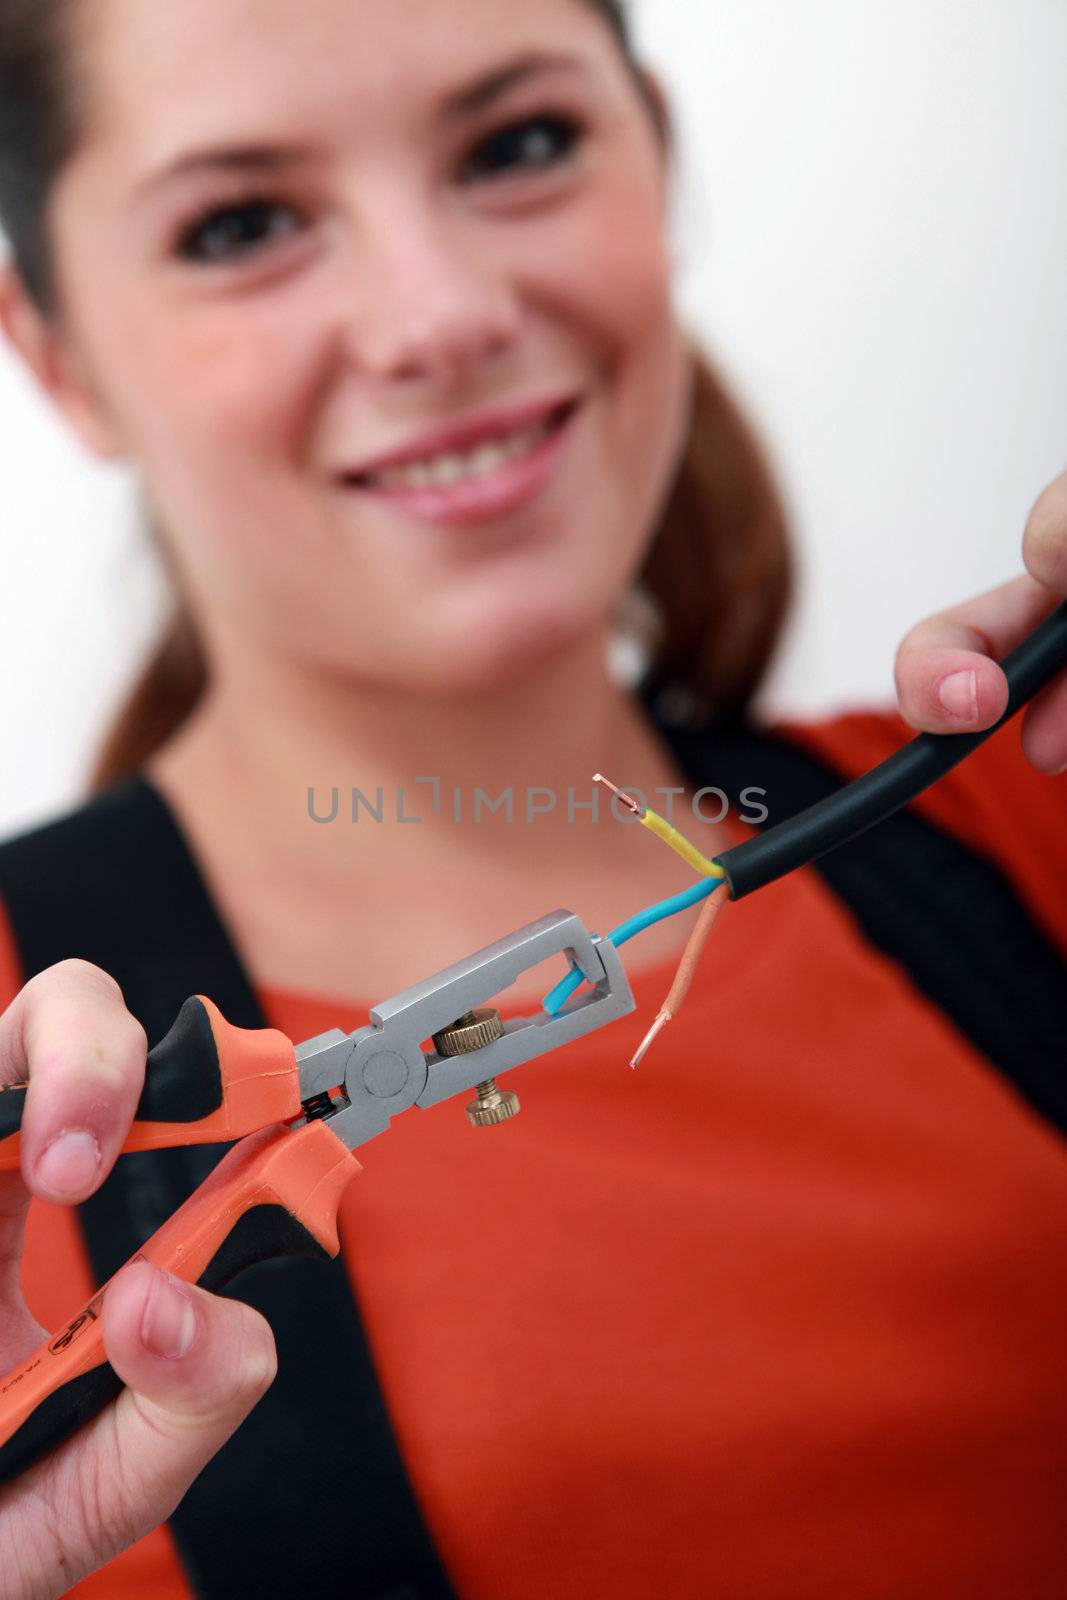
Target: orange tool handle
{"x": 275, "y": 1194}
{"x": 206, "y": 1082}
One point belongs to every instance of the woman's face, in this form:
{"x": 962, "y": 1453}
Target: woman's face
{"x": 297, "y": 243}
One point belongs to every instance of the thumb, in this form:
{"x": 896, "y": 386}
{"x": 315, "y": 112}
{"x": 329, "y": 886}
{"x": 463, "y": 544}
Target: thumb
{"x": 194, "y": 1365}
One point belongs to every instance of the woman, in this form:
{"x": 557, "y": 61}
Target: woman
{"x": 377, "y": 299}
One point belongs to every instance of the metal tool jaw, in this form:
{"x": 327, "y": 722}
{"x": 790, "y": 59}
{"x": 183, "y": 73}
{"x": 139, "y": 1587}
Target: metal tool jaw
{"x": 385, "y": 1067}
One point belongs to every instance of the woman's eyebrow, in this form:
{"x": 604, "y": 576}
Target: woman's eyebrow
{"x": 261, "y": 158}
{"x": 532, "y": 64}
{"x": 216, "y": 158}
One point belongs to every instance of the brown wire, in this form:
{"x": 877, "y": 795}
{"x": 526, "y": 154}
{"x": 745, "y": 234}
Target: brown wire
{"x": 683, "y": 978}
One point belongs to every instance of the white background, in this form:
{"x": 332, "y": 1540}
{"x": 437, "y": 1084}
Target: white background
{"x": 872, "y": 237}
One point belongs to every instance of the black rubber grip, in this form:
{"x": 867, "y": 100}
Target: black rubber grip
{"x": 12, "y": 1103}
{"x": 183, "y": 1079}
{"x": 264, "y": 1233}
{"x": 58, "y": 1416}
{"x": 879, "y": 793}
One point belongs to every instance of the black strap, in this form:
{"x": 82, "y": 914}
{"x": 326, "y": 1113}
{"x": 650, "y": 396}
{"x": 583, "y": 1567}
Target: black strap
{"x": 945, "y": 912}
{"x": 310, "y": 1496}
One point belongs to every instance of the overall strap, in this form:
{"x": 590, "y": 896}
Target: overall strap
{"x": 310, "y": 1496}
{"x": 947, "y": 914}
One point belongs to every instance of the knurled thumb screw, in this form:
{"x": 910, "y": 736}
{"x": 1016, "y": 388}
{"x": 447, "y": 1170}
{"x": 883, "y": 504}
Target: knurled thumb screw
{"x": 473, "y": 1031}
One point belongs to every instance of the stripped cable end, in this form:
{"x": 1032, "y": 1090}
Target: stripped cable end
{"x": 646, "y": 1043}
{"x": 627, "y": 799}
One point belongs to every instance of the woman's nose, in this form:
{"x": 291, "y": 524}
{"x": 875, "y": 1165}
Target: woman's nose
{"x": 429, "y": 309}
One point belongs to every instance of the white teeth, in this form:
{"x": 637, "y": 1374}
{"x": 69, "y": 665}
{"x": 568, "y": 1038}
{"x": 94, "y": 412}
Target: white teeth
{"x": 446, "y": 469}
{"x": 453, "y": 467}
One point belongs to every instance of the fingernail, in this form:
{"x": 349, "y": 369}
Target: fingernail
{"x": 958, "y": 694}
{"x": 168, "y": 1322}
{"x": 70, "y": 1164}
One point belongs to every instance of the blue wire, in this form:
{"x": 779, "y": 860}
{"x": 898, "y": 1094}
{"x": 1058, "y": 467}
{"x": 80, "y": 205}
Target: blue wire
{"x": 557, "y": 998}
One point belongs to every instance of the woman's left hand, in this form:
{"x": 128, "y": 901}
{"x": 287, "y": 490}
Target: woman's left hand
{"x": 947, "y": 676}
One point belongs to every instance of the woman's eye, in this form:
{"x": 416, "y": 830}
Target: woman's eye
{"x": 233, "y": 231}
{"x": 531, "y": 146}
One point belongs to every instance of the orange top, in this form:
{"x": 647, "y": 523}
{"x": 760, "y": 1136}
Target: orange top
{"x": 779, "y": 1315}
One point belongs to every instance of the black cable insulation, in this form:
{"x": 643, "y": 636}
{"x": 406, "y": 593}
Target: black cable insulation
{"x": 893, "y": 783}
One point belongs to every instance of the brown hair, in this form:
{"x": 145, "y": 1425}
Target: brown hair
{"x": 719, "y": 569}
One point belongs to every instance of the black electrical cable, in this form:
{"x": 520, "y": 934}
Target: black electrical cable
{"x": 886, "y": 788}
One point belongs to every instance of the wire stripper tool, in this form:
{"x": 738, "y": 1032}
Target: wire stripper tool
{"x": 298, "y": 1112}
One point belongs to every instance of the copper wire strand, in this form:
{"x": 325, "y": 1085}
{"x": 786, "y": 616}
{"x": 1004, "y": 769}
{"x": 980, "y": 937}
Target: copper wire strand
{"x": 664, "y": 831}
{"x": 627, "y": 799}
{"x": 683, "y": 978}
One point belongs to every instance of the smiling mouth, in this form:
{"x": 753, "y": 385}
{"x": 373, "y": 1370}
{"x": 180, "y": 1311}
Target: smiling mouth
{"x": 451, "y": 467}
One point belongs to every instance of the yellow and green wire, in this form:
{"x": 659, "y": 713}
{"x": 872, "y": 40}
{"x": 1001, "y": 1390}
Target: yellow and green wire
{"x": 712, "y": 874}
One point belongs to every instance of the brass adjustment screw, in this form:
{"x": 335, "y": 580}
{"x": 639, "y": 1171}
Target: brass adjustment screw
{"x": 473, "y": 1031}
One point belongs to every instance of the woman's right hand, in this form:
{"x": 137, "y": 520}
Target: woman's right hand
{"x": 193, "y": 1364}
